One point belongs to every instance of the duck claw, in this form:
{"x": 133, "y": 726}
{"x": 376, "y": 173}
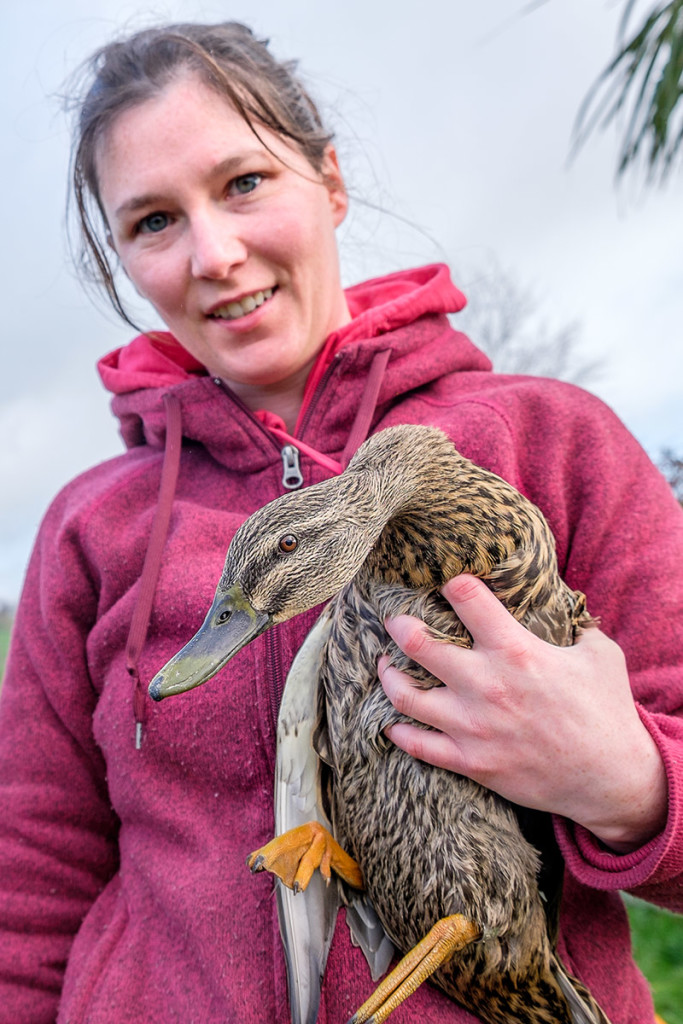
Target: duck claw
{"x": 257, "y": 864}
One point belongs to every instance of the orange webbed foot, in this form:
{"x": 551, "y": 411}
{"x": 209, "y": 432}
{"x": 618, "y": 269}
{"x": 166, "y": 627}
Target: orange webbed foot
{"x": 448, "y": 935}
{"x": 295, "y": 855}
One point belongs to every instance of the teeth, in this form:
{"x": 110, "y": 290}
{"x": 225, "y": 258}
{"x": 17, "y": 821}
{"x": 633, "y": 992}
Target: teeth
{"x": 233, "y": 310}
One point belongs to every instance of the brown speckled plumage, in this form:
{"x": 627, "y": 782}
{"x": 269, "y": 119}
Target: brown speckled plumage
{"x": 408, "y": 514}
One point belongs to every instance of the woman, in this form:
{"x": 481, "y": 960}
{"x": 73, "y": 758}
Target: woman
{"x": 201, "y": 166}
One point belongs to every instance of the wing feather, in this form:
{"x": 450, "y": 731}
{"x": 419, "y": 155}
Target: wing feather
{"x": 307, "y": 920}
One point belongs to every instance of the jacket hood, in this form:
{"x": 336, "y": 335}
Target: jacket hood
{"x": 405, "y": 312}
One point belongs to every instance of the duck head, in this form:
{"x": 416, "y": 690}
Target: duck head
{"x": 302, "y": 548}
{"x": 289, "y": 556}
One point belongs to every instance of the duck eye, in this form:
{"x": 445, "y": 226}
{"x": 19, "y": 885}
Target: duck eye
{"x": 288, "y": 543}
{"x": 224, "y": 616}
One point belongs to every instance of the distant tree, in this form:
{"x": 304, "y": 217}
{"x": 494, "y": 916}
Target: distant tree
{"x": 671, "y": 465}
{"x": 644, "y": 82}
{"x": 503, "y": 318}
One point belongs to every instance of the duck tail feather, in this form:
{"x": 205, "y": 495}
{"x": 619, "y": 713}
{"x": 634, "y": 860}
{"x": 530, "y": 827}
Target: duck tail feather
{"x": 583, "y": 1007}
{"x": 367, "y": 932}
{"x": 307, "y": 923}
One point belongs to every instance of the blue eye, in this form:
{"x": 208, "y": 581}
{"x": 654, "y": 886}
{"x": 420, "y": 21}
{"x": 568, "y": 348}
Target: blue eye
{"x": 245, "y": 183}
{"x": 153, "y": 223}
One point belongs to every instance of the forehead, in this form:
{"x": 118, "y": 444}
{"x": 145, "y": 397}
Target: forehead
{"x": 181, "y": 132}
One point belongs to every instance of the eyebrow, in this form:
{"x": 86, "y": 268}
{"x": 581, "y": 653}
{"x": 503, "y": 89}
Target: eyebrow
{"x": 225, "y": 167}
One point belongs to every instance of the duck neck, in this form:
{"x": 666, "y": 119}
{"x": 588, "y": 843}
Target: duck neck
{"x": 437, "y": 520}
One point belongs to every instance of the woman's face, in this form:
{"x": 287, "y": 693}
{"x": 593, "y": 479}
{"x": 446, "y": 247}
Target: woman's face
{"x": 234, "y": 245}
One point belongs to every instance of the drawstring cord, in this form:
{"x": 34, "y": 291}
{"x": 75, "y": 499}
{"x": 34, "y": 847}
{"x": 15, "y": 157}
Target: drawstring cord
{"x": 152, "y": 565}
{"x": 366, "y": 407}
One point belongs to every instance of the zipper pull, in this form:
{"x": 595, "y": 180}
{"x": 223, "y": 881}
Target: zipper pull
{"x": 291, "y": 471}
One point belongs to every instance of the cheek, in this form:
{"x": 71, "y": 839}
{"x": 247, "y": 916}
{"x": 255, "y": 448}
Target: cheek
{"x": 284, "y": 240}
{"x": 159, "y": 279}
{"x": 301, "y": 234}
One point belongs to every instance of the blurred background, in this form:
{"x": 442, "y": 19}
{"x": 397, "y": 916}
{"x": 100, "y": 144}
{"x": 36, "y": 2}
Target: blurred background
{"x": 456, "y": 126}
{"x": 454, "y": 123}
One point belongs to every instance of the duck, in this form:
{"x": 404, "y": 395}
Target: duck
{"x": 461, "y": 882}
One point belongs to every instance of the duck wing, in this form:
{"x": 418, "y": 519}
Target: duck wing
{"x": 307, "y": 920}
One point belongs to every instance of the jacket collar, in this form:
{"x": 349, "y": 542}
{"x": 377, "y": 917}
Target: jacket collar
{"x": 403, "y": 312}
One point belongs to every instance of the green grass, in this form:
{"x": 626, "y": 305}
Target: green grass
{"x": 4, "y": 644}
{"x": 657, "y": 935}
{"x": 658, "y": 949}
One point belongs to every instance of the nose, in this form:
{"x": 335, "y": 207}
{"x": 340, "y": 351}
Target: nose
{"x": 216, "y": 245}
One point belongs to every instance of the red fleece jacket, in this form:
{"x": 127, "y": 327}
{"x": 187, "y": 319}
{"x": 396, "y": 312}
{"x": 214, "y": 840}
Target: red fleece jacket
{"x": 123, "y": 891}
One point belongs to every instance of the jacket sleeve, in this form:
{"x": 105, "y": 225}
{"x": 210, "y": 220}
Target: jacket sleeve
{"x": 620, "y": 540}
{"x": 57, "y": 830}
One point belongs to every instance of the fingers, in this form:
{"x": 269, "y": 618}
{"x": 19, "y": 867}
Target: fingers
{"x": 476, "y": 693}
{"x": 427, "y": 706}
{"x": 413, "y": 638}
{"x": 490, "y": 624}
{"x": 426, "y": 745}
{"x": 483, "y": 615}
{"x": 436, "y": 746}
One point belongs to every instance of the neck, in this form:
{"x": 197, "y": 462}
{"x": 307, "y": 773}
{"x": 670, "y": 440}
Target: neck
{"x": 435, "y": 516}
{"x": 283, "y": 398}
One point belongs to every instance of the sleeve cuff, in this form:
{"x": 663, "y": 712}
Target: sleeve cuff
{"x": 658, "y": 860}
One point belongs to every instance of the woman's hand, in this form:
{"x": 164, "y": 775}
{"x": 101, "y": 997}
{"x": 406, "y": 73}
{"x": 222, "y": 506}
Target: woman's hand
{"x": 553, "y": 728}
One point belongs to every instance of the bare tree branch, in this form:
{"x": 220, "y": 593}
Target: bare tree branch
{"x": 671, "y": 465}
{"x": 503, "y": 319}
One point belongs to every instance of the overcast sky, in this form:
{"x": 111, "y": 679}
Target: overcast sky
{"x": 455, "y": 116}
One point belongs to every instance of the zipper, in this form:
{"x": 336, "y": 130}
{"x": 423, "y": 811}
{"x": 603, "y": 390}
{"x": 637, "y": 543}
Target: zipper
{"x": 292, "y": 478}
{"x": 276, "y": 674}
{"x": 291, "y": 470}
{"x": 320, "y": 387}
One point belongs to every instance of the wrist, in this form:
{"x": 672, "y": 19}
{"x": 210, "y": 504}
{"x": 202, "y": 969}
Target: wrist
{"x": 638, "y": 804}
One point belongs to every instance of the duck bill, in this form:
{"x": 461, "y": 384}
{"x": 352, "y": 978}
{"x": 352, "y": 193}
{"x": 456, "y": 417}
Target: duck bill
{"x": 230, "y": 625}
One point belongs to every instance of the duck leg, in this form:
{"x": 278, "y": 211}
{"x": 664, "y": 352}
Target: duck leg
{"x": 295, "y": 855}
{"x": 448, "y": 936}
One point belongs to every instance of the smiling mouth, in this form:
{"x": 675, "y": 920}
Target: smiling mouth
{"x": 235, "y": 310}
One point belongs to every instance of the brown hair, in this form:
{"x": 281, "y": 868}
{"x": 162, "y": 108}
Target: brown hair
{"x": 229, "y": 59}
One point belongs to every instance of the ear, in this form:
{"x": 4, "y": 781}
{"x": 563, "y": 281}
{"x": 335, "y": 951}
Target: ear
{"x": 119, "y": 262}
{"x": 120, "y": 266}
{"x": 109, "y": 239}
{"x": 108, "y": 234}
{"x": 334, "y": 183}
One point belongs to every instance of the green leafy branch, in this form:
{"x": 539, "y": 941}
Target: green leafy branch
{"x": 647, "y": 70}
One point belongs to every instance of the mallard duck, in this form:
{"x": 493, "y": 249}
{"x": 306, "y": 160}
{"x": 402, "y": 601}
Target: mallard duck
{"x": 451, "y": 869}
